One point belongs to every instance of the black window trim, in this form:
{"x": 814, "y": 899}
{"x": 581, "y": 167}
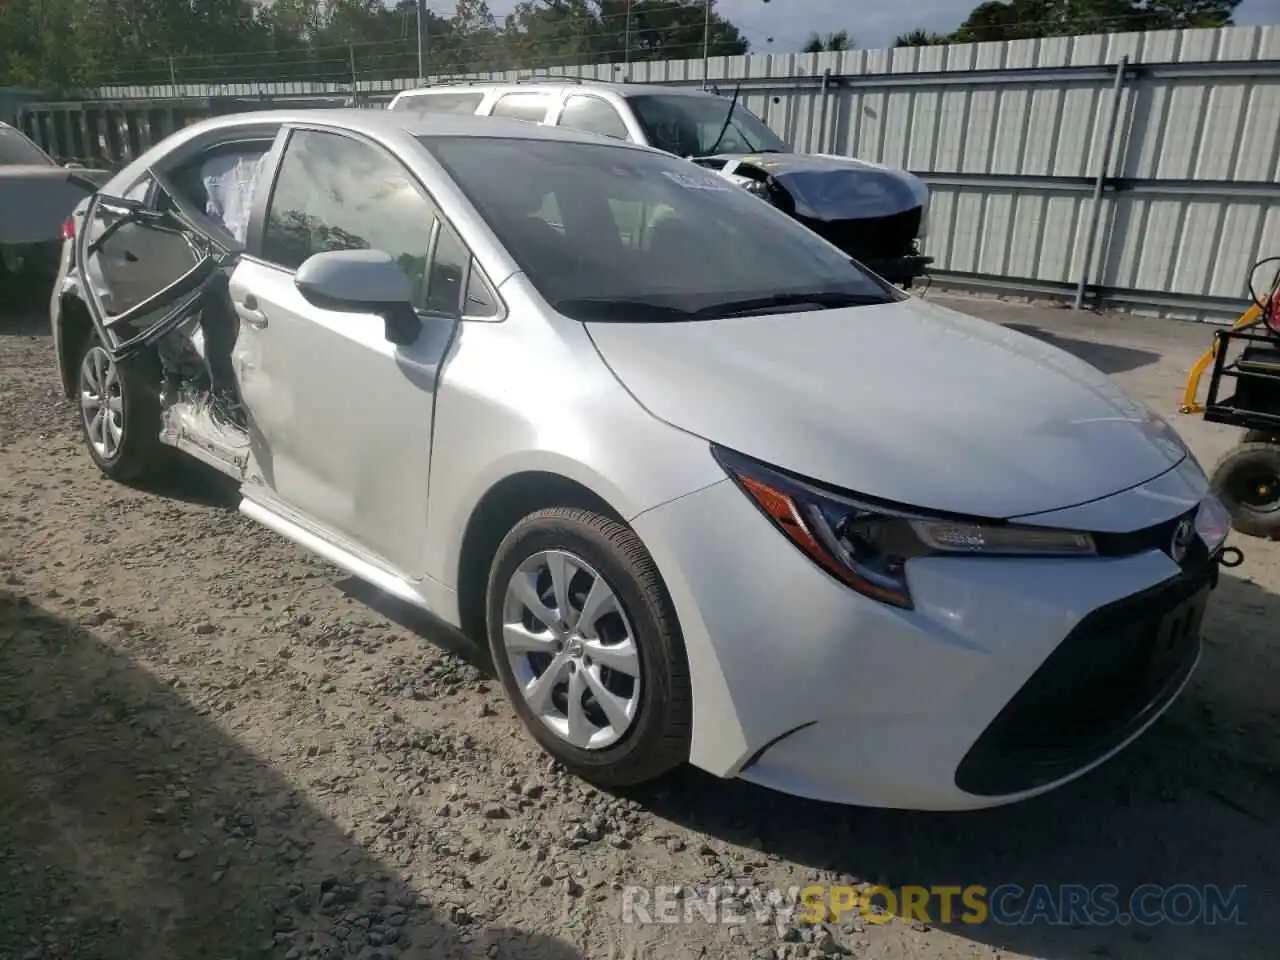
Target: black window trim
{"x": 275, "y": 158}
{"x": 575, "y": 95}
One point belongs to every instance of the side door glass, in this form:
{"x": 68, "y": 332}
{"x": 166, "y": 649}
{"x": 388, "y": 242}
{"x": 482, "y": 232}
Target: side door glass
{"x": 460, "y": 103}
{"x": 456, "y": 286}
{"x": 337, "y": 193}
{"x": 592, "y": 115}
{"x": 532, "y": 107}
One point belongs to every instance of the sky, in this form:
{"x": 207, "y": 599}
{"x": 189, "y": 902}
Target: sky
{"x": 871, "y": 23}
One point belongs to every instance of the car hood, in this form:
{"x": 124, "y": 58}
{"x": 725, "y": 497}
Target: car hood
{"x": 36, "y": 201}
{"x": 907, "y": 402}
{"x": 829, "y": 188}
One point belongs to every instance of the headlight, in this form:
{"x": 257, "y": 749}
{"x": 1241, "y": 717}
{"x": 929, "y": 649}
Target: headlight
{"x": 1212, "y": 523}
{"x": 866, "y": 545}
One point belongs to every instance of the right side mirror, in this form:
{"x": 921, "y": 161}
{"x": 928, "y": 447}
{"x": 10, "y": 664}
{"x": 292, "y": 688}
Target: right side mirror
{"x": 362, "y": 281}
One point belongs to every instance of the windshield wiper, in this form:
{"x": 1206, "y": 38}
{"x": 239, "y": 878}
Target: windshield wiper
{"x": 727, "y": 118}
{"x": 613, "y": 310}
{"x": 817, "y": 300}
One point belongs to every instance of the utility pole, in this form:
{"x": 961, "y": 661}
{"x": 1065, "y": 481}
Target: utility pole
{"x": 706, "y": 44}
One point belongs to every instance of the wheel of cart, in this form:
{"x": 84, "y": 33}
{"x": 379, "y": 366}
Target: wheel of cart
{"x": 1247, "y": 481}
{"x": 1247, "y": 358}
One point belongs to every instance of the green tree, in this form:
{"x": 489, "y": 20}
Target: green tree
{"x": 831, "y": 43}
{"x": 1178, "y": 14}
{"x": 921, "y": 38}
{"x": 1018, "y": 19}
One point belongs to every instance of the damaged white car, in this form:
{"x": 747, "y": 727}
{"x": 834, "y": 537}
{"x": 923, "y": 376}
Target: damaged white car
{"x": 710, "y": 489}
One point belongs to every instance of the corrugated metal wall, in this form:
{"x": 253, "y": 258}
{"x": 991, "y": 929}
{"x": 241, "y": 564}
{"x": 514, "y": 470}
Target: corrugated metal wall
{"x": 1011, "y": 137}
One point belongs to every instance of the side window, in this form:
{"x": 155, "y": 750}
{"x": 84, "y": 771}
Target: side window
{"x": 522, "y": 106}
{"x": 455, "y": 283}
{"x": 221, "y": 183}
{"x": 592, "y": 115}
{"x": 463, "y": 103}
{"x": 448, "y": 273}
{"x": 481, "y": 301}
{"x": 336, "y": 193}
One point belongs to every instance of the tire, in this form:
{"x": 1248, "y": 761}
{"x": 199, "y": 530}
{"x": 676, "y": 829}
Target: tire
{"x": 655, "y": 739}
{"x": 137, "y": 452}
{"x": 1247, "y": 481}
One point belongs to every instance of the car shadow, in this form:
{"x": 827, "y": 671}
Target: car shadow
{"x": 24, "y": 311}
{"x": 191, "y": 481}
{"x": 133, "y": 826}
{"x": 1107, "y": 357}
{"x": 420, "y": 622}
{"x": 1195, "y": 801}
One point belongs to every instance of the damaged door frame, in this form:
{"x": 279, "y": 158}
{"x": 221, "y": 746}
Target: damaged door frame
{"x": 186, "y": 294}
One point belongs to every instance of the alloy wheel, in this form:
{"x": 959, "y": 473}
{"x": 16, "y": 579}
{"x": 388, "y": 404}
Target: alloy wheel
{"x": 572, "y": 649}
{"x": 102, "y": 402}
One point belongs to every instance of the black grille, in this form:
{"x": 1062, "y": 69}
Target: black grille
{"x": 1119, "y": 667}
{"x": 1156, "y": 537}
{"x": 873, "y": 238}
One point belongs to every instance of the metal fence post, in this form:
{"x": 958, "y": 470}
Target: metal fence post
{"x": 706, "y": 44}
{"x": 422, "y": 52}
{"x": 1095, "y": 209}
{"x": 355, "y": 84}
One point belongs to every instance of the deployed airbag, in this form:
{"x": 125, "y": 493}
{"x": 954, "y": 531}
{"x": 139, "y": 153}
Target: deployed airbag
{"x": 229, "y": 181}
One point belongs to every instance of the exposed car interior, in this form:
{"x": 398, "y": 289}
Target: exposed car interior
{"x": 190, "y": 321}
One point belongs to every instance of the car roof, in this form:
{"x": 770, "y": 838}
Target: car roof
{"x": 622, "y": 89}
{"x": 375, "y": 122}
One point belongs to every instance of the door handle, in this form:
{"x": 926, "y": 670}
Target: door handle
{"x": 247, "y": 310}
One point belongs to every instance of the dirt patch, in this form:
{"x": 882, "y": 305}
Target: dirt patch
{"x": 213, "y": 745}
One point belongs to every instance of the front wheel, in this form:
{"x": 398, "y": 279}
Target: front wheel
{"x": 586, "y": 644}
{"x": 1247, "y": 481}
{"x": 119, "y": 411}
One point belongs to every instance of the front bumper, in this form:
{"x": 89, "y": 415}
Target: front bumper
{"x": 980, "y": 696}
{"x": 900, "y": 270}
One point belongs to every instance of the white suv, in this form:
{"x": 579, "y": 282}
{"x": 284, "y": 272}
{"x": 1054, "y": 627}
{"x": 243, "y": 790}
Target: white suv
{"x": 875, "y": 214}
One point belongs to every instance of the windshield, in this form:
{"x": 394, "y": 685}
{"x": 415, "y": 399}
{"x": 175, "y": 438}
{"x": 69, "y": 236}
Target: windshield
{"x": 616, "y": 233}
{"x": 689, "y": 126}
{"x": 17, "y": 151}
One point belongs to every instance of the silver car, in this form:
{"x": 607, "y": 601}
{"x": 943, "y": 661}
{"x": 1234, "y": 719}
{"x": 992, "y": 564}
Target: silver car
{"x": 709, "y": 490}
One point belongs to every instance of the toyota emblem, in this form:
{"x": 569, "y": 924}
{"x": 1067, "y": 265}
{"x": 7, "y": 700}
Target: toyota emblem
{"x": 1181, "y": 542}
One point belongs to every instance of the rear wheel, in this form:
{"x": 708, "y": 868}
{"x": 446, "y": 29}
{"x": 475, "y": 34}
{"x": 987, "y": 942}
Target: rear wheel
{"x": 1247, "y": 481}
{"x": 119, "y": 411}
{"x": 586, "y": 644}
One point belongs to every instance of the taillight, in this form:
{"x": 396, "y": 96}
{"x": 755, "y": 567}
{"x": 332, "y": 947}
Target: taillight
{"x": 69, "y": 229}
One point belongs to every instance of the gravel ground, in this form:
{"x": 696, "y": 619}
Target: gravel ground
{"x": 212, "y": 745}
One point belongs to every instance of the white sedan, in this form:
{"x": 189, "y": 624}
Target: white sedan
{"x": 711, "y": 491}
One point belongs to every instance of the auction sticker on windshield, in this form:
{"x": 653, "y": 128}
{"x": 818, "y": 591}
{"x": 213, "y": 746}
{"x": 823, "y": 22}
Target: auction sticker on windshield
{"x": 697, "y": 183}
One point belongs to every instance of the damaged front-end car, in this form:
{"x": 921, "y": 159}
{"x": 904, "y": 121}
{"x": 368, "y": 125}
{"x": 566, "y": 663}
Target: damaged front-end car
{"x": 875, "y": 214}
{"x": 189, "y": 324}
